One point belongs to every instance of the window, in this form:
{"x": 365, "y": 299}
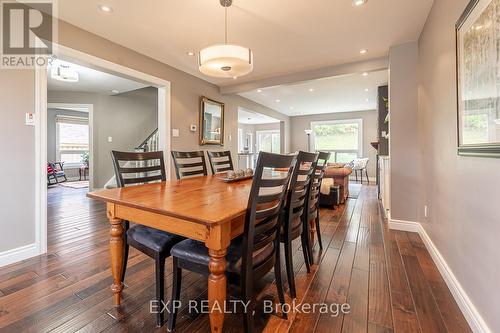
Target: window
{"x": 343, "y": 138}
{"x": 72, "y": 139}
{"x": 268, "y": 141}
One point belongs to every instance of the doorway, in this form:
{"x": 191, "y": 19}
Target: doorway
{"x": 257, "y": 132}
{"x": 41, "y": 110}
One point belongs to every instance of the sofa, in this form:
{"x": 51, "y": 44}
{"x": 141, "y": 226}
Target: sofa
{"x": 340, "y": 176}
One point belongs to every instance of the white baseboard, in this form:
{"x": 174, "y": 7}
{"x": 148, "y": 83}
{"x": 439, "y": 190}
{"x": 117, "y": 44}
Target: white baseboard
{"x": 18, "y": 254}
{"x": 403, "y": 225}
{"x": 471, "y": 314}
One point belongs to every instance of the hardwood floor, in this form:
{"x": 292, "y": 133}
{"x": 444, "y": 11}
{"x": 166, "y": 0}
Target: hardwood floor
{"x": 387, "y": 278}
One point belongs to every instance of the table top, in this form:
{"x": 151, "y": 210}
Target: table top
{"x": 206, "y": 200}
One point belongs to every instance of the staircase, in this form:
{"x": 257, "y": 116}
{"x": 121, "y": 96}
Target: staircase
{"x": 152, "y": 143}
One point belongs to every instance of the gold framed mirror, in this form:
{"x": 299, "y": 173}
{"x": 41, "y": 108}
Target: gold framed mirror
{"x": 211, "y": 122}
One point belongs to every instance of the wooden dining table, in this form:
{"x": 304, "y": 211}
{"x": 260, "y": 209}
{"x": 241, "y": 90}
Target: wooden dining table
{"x": 202, "y": 208}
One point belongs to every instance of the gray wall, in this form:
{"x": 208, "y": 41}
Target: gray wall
{"x": 51, "y": 135}
{"x": 462, "y": 192}
{"x": 17, "y": 98}
{"x": 299, "y": 139}
{"x": 17, "y": 193}
{"x": 403, "y": 130}
{"x": 128, "y": 118}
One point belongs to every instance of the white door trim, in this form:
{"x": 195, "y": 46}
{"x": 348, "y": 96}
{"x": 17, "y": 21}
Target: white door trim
{"x": 164, "y": 121}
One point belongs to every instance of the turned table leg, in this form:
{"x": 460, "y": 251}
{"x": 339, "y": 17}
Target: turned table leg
{"x": 217, "y": 288}
{"x": 116, "y": 254}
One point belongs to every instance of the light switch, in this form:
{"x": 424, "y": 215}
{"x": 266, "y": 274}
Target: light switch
{"x": 175, "y": 132}
{"x": 30, "y": 119}
{"x": 110, "y": 139}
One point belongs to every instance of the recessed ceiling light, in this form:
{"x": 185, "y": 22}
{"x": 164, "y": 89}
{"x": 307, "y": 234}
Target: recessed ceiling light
{"x": 259, "y": 90}
{"x": 105, "y": 8}
{"x": 365, "y": 74}
{"x": 363, "y": 51}
{"x": 277, "y": 101}
{"x": 190, "y": 53}
{"x": 367, "y": 100}
{"x": 114, "y": 91}
{"x": 311, "y": 89}
{"x": 478, "y": 27}
{"x": 291, "y": 107}
{"x": 235, "y": 77}
{"x": 358, "y": 3}
{"x": 366, "y": 89}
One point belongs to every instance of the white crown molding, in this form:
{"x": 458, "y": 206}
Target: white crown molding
{"x": 14, "y": 255}
{"x": 471, "y": 314}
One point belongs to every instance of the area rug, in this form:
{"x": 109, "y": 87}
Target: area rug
{"x": 354, "y": 190}
{"x": 77, "y": 185}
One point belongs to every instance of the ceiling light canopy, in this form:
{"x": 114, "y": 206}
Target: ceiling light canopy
{"x": 64, "y": 73}
{"x": 225, "y": 60}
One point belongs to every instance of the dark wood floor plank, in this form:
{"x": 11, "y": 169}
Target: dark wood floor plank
{"x": 377, "y": 271}
{"x": 452, "y": 316}
{"x": 425, "y": 305}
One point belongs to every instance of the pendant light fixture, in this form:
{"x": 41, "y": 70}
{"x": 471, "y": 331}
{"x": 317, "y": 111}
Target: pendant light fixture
{"x": 225, "y": 60}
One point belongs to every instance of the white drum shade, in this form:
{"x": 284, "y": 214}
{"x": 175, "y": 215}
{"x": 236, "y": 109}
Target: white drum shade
{"x": 225, "y": 61}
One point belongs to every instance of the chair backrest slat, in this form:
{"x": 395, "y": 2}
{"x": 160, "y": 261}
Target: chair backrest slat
{"x": 300, "y": 181}
{"x": 188, "y": 160}
{"x": 138, "y": 167}
{"x": 266, "y": 200}
{"x": 220, "y": 161}
{"x": 315, "y": 187}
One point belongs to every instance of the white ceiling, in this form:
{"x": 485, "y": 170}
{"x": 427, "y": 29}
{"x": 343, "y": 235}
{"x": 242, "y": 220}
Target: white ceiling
{"x": 334, "y": 94}
{"x": 286, "y": 36}
{"x": 254, "y": 118}
{"x": 92, "y": 81}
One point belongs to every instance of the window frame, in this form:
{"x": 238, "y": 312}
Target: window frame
{"x": 358, "y": 121}
{"x": 271, "y": 131}
{"x": 70, "y": 120}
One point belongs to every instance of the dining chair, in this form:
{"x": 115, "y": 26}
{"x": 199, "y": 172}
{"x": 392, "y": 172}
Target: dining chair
{"x": 360, "y": 165}
{"x": 189, "y": 163}
{"x": 220, "y": 161}
{"x": 133, "y": 168}
{"x": 312, "y": 215}
{"x": 294, "y": 225}
{"x": 253, "y": 254}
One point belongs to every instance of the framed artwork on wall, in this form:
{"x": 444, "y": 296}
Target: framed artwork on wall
{"x": 478, "y": 79}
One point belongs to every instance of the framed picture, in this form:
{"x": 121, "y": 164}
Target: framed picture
{"x": 211, "y": 122}
{"x": 478, "y": 79}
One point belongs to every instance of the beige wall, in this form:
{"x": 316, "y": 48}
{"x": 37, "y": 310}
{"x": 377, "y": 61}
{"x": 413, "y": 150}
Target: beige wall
{"x": 17, "y": 167}
{"x": 17, "y": 98}
{"x": 136, "y": 112}
{"x": 185, "y": 89}
{"x": 462, "y": 192}
{"x": 403, "y": 130}
{"x": 299, "y": 139}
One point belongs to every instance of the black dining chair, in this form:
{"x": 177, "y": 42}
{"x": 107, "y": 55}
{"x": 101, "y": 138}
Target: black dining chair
{"x": 294, "y": 224}
{"x": 139, "y": 168}
{"x": 312, "y": 215}
{"x": 257, "y": 250}
{"x": 189, "y": 163}
{"x": 220, "y": 161}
